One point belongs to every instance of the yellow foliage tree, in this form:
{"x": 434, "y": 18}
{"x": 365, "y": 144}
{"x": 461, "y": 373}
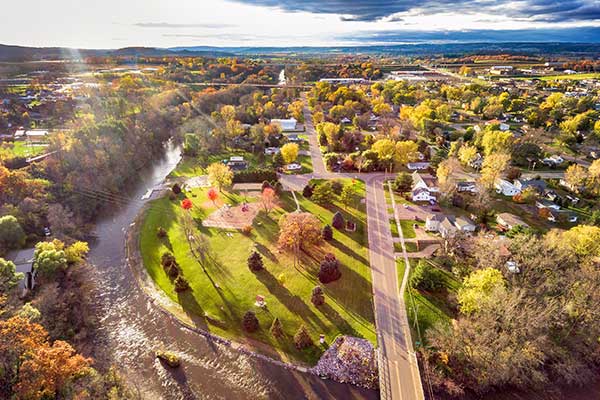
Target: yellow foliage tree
{"x": 289, "y": 152}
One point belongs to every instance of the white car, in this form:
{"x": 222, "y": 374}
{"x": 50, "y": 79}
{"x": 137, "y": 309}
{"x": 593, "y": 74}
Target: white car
{"x": 293, "y": 167}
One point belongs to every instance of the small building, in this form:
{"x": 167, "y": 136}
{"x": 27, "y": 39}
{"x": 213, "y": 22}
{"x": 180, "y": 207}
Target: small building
{"x": 269, "y": 151}
{"x": 466, "y": 187}
{"x": 432, "y": 222}
{"x": 237, "y": 163}
{"x": 543, "y": 203}
{"x": 464, "y": 224}
{"x": 447, "y": 228}
{"x": 418, "y": 166}
{"x": 509, "y": 221}
{"x": 506, "y": 188}
{"x": 501, "y": 69}
{"x": 286, "y": 125}
{"x": 538, "y": 184}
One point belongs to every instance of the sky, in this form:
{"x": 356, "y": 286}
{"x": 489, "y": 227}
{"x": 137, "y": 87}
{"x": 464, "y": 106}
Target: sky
{"x": 109, "y": 24}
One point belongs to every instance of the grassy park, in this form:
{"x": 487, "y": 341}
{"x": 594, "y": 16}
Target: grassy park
{"x": 224, "y": 288}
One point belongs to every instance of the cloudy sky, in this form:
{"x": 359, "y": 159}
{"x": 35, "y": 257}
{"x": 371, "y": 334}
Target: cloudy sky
{"x": 162, "y": 23}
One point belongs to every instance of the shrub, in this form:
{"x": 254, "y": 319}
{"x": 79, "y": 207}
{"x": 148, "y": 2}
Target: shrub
{"x": 247, "y": 230}
{"x": 255, "y": 175}
{"x": 426, "y": 277}
{"x": 318, "y": 297}
{"x": 176, "y": 188}
{"x": 265, "y": 185}
{"x": 338, "y": 220}
{"x": 329, "y": 270}
{"x": 161, "y": 232}
{"x": 276, "y": 328}
{"x": 302, "y": 339}
{"x": 167, "y": 258}
{"x": 250, "y": 322}
{"x": 172, "y": 360}
{"x": 307, "y": 192}
{"x": 255, "y": 261}
{"x": 181, "y": 285}
{"x": 172, "y": 196}
{"x": 327, "y": 233}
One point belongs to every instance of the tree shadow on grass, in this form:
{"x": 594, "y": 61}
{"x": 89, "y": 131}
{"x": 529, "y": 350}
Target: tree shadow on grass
{"x": 347, "y": 250}
{"x": 342, "y": 325}
{"x": 192, "y": 308}
{"x": 292, "y": 302}
{"x": 264, "y": 250}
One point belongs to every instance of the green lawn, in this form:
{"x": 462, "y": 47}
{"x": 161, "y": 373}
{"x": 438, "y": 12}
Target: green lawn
{"x": 407, "y": 229}
{"x": 394, "y": 227}
{"x": 223, "y": 291}
{"x": 426, "y": 309}
{"x": 574, "y": 77}
{"x": 23, "y": 149}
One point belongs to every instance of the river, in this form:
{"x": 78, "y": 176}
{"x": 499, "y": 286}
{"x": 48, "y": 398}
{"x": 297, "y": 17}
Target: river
{"x": 131, "y": 328}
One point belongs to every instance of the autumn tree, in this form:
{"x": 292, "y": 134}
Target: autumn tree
{"x": 276, "y": 328}
{"x": 406, "y": 151}
{"x": 302, "y": 338}
{"x": 348, "y": 196}
{"x": 493, "y": 167}
{"x": 576, "y": 177}
{"x": 299, "y": 230}
{"x": 8, "y": 275}
{"x": 317, "y": 296}
{"x": 219, "y": 175}
{"x": 478, "y": 288}
{"x": 466, "y": 154}
{"x": 11, "y": 233}
{"x": 289, "y": 152}
{"x": 268, "y": 199}
{"x": 593, "y": 184}
{"x": 255, "y": 261}
{"x": 213, "y": 195}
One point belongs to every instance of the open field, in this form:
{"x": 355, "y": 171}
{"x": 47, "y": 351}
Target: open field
{"x": 224, "y": 288}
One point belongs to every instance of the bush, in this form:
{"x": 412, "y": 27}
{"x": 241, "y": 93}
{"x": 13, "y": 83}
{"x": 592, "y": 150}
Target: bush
{"x": 265, "y": 185}
{"x": 172, "y": 360}
{"x": 318, "y": 297}
{"x": 247, "y": 230}
{"x": 255, "y": 261}
{"x": 172, "y": 196}
{"x": 276, "y": 328}
{"x": 161, "y": 232}
{"x": 255, "y": 175}
{"x": 338, "y": 220}
{"x": 329, "y": 270}
{"x": 307, "y": 192}
{"x": 425, "y": 277}
{"x": 176, "y": 189}
{"x": 302, "y": 339}
{"x": 250, "y": 322}
{"x": 181, "y": 285}
{"x": 327, "y": 233}
{"x": 169, "y": 264}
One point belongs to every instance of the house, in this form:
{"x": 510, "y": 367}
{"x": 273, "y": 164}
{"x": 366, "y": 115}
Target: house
{"x": 421, "y": 190}
{"x": 286, "y": 125}
{"x": 23, "y": 260}
{"x": 501, "y": 125}
{"x": 506, "y": 188}
{"x": 466, "y": 186}
{"x": 501, "y": 69}
{"x": 509, "y": 221}
{"x": 538, "y": 184}
{"x": 346, "y": 121}
{"x": 269, "y": 151}
{"x": 236, "y": 163}
{"x": 417, "y": 166}
{"x": 464, "y": 224}
{"x": 447, "y": 228}
{"x": 476, "y": 162}
{"x": 553, "y": 161}
{"x": 432, "y": 222}
{"x": 543, "y": 203}
{"x": 512, "y": 267}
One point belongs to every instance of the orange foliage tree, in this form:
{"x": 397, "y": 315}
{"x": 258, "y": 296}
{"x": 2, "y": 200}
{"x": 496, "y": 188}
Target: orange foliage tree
{"x": 268, "y": 199}
{"x": 298, "y": 230}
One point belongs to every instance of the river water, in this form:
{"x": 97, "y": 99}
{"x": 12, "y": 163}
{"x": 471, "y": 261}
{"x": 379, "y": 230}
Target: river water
{"x": 131, "y": 328}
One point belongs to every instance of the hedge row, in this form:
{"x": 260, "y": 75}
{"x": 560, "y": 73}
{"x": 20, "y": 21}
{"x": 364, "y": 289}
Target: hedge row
{"x": 256, "y": 175}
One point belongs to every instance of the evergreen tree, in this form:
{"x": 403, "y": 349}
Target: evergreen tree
{"x": 250, "y": 322}
{"x": 327, "y": 233}
{"x": 302, "y": 338}
{"x": 255, "y": 261}
{"x": 276, "y": 328}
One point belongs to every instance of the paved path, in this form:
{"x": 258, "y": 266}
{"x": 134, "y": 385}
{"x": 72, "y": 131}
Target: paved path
{"x": 398, "y": 368}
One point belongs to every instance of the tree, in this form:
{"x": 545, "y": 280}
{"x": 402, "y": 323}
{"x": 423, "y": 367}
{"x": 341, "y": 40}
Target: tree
{"x": 575, "y": 177}
{"x": 426, "y": 277}
{"x": 338, "y": 220}
{"x": 61, "y": 220}
{"x": 255, "y": 261}
{"x": 497, "y": 141}
{"x": 298, "y": 230}
{"x": 466, "y": 154}
{"x": 250, "y": 322}
{"x": 327, "y": 233}
{"x": 348, "y": 196}
{"x": 278, "y": 160}
{"x": 323, "y": 194}
{"x": 181, "y": 284}
{"x": 583, "y": 240}
{"x": 385, "y": 149}
{"x": 406, "y": 151}
{"x": 8, "y": 275}
{"x": 302, "y": 338}
{"x": 11, "y": 234}
{"x": 276, "y": 328}
{"x": 493, "y": 167}
{"x": 317, "y": 296}
{"x": 29, "y": 312}
{"x": 49, "y": 257}
{"x": 213, "y": 195}
{"x": 594, "y": 177}
{"x": 478, "y": 288}
{"x": 329, "y": 269}
{"x": 76, "y": 252}
{"x": 268, "y": 199}
{"x": 187, "y": 204}
{"x": 191, "y": 144}
{"x": 403, "y": 182}
{"x": 307, "y": 192}
{"x": 219, "y": 175}
{"x": 289, "y": 151}
{"x": 176, "y": 189}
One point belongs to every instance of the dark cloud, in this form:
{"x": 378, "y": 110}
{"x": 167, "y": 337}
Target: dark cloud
{"x": 372, "y": 10}
{"x": 169, "y": 25}
{"x": 575, "y": 35}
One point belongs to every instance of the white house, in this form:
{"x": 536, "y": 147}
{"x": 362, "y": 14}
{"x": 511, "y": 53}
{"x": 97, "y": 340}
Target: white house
{"x": 432, "y": 222}
{"x": 506, "y": 188}
{"x": 509, "y": 221}
{"x": 413, "y": 166}
{"x": 421, "y": 190}
{"x": 286, "y": 125}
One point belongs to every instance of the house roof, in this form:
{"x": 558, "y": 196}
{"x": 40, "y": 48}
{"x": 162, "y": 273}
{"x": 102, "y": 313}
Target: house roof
{"x": 461, "y": 222}
{"x": 511, "y": 219}
{"x": 435, "y": 217}
{"x": 447, "y": 225}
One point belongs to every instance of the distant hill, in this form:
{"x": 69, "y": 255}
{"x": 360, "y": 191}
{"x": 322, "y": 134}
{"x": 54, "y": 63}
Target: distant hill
{"x": 20, "y": 53}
